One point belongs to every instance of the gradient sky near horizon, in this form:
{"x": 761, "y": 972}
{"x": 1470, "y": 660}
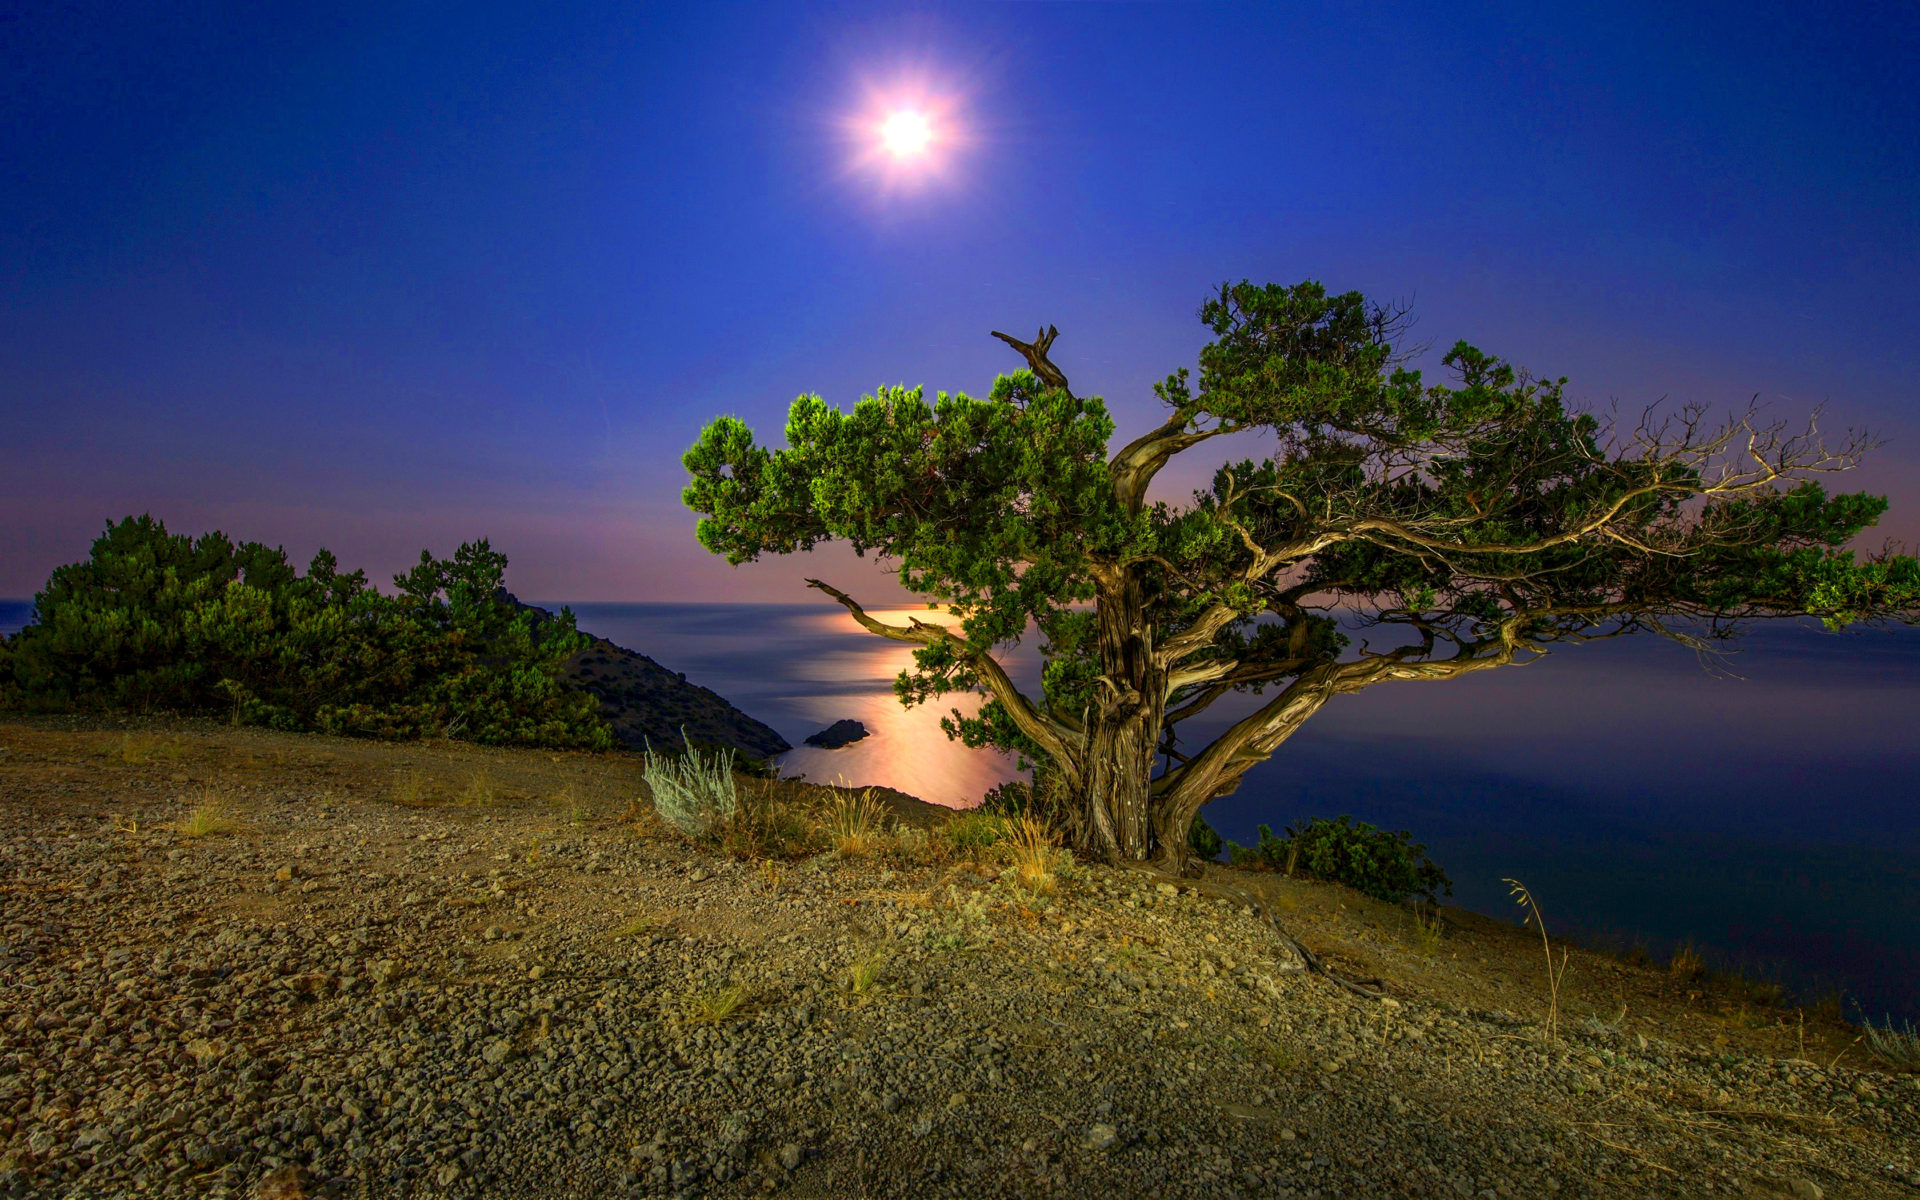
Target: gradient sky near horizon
{"x": 385, "y": 277}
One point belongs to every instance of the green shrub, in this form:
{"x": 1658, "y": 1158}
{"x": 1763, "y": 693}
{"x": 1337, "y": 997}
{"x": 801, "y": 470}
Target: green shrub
{"x": 1386, "y": 865}
{"x": 693, "y": 792}
{"x": 1043, "y": 800}
{"x": 160, "y": 621}
{"x": 1268, "y": 854}
{"x": 974, "y": 830}
{"x": 1203, "y": 840}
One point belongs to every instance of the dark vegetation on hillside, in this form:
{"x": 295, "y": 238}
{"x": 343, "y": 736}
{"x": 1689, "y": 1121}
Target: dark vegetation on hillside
{"x": 156, "y": 621}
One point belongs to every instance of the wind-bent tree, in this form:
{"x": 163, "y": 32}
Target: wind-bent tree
{"x": 1469, "y": 526}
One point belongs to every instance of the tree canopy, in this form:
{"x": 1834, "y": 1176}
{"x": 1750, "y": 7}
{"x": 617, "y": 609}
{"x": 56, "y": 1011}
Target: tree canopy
{"x": 1465, "y": 525}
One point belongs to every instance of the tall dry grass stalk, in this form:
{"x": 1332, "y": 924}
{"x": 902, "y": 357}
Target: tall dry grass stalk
{"x": 1555, "y": 974}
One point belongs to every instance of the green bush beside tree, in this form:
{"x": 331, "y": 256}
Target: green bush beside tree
{"x": 157, "y": 621}
{"x": 1385, "y": 864}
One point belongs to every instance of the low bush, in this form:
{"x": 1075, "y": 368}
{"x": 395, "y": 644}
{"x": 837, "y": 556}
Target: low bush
{"x": 1387, "y": 865}
{"x": 1268, "y": 854}
{"x": 156, "y": 620}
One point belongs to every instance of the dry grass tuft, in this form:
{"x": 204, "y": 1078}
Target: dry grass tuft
{"x": 855, "y": 823}
{"x": 1427, "y": 931}
{"x": 209, "y": 818}
{"x": 570, "y": 806}
{"x": 639, "y": 925}
{"x": 714, "y": 1005}
{"x": 864, "y": 975}
{"x": 1030, "y": 847}
{"x": 411, "y": 789}
{"x": 144, "y": 748}
{"x": 917, "y": 847}
{"x": 1686, "y": 964}
{"x": 479, "y": 791}
{"x": 766, "y": 827}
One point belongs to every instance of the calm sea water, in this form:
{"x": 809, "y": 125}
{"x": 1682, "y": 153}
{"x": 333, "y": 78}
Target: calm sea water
{"x": 1767, "y": 810}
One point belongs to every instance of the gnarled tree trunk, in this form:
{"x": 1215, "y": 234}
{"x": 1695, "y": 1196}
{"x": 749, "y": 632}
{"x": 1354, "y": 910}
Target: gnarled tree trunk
{"x": 1123, "y": 729}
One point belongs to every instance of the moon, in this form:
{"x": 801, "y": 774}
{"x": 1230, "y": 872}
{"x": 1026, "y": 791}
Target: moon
{"x": 906, "y": 133}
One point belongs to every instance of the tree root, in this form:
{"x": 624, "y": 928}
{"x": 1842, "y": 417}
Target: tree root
{"x": 1369, "y": 988}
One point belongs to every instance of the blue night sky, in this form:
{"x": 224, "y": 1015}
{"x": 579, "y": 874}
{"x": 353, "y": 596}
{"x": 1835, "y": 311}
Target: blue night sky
{"x": 385, "y": 279}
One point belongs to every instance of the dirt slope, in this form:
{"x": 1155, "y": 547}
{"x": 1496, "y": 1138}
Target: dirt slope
{"x": 436, "y": 970}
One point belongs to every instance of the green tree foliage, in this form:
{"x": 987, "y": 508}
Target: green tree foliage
{"x": 1387, "y": 865}
{"x": 159, "y": 621}
{"x": 1470, "y": 525}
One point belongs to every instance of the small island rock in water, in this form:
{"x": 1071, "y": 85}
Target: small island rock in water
{"x": 840, "y": 733}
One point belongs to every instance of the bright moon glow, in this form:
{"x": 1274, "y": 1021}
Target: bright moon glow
{"x": 906, "y": 134}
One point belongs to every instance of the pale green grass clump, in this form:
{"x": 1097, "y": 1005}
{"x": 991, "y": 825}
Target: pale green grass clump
{"x": 1901, "y": 1047}
{"x": 864, "y": 975}
{"x": 209, "y": 818}
{"x": 717, "y": 1004}
{"x": 694, "y": 793}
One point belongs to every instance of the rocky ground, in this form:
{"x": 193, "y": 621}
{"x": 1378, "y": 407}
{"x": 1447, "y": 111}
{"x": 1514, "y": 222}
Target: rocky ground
{"x": 441, "y": 970}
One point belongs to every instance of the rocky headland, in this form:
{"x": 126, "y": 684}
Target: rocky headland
{"x": 648, "y": 705}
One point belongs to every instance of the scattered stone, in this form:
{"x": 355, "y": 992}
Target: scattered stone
{"x": 1100, "y": 1137}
